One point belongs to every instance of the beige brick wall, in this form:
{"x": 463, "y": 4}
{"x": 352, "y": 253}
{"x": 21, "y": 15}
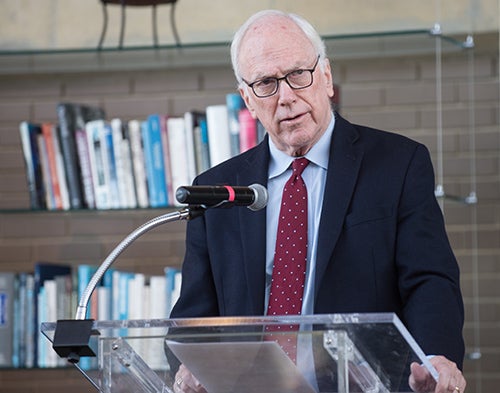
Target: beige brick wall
{"x": 396, "y": 94}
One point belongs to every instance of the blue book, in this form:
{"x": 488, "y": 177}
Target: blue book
{"x": 29, "y": 351}
{"x": 108, "y": 151}
{"x": 173, "y": 277}
{"x": 84, "y": 274}
{"x": 154, "y": 161}
{"x": 44, "y": 271}
{"x": 234, "y": 104}
{"x": 29, "y": 133}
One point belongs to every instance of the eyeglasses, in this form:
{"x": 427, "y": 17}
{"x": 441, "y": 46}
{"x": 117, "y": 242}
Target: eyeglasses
{"x": 297, "y": 79}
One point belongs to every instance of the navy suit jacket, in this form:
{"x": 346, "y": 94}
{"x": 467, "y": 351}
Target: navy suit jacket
{"x": 382, "y": 244}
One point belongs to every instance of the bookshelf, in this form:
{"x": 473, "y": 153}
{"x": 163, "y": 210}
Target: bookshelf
{"x": 206, "y": 54}
{"x": 28, "y": 235}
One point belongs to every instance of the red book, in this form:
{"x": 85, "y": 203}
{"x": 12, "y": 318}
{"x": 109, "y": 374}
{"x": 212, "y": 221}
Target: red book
{"x": 248, "y": 130}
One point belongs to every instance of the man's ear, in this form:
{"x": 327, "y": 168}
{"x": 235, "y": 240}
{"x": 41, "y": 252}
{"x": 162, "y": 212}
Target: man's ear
{"x": 328, "y": 77}
{"x": 243, "y": 92}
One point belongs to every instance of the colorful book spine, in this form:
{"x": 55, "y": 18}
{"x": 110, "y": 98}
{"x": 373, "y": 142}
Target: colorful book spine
{"x": 248, "y": 130}
{"x": 234, "y": 104}
{"x": 83, "y": 150}
{"x": 29, "y": 132}
{"x": 138, "y": 164}
{"x": 153, "y": 158}
{"x": 179, "y": 162}
{"x": 219, "y": 140}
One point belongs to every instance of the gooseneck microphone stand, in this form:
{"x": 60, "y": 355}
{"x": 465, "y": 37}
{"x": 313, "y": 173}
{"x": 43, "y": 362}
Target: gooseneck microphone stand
{"x": 185, "y": 214}
{"x": 71, "y": 338}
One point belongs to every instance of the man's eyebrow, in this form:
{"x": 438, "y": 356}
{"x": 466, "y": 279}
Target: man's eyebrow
{"x": 290, "y": 69}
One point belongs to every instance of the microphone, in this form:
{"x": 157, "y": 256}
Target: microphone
{"x": 254, "y": 196}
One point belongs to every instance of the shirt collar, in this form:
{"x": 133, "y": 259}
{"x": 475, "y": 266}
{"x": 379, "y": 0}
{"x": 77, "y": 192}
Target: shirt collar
{"x": 319, "y": 153}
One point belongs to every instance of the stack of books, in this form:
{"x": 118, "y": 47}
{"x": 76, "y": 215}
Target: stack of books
{"x": 85, "y": 161}
{"x": 52, "y": 292}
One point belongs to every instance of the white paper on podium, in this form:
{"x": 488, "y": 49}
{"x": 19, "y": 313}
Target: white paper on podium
{"x": 242, "y": 367}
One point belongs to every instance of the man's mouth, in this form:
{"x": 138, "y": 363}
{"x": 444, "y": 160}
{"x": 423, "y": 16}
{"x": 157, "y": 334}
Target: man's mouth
{"x": 292, "y": 118}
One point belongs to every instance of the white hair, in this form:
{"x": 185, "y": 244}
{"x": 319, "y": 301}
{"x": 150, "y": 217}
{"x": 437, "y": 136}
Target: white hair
{"x": 309, "y": 31}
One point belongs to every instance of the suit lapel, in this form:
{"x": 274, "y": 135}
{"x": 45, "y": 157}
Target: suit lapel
{"x": 343, "y": 168}
{"x": 253, "y": 227}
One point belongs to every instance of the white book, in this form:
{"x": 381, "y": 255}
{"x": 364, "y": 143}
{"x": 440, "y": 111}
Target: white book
{"x": 104, "y": 303}
{"x": 158, "y": 304}
{"x": 137, "y": 305}
{"x": 108, "y": 159}
{"x": 177, "y": 153}
{"x": 93, "y": 130}
{"x": 157, "y": 310}
{"x": 50, "y": 287}
{"x": 136, "y": 302}
{"x": 219, "y": 139}
{"x": 117, "y": 137}
{"x": 134, "y": 129}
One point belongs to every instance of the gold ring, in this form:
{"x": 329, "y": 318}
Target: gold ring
{"x": 178, "y": 382}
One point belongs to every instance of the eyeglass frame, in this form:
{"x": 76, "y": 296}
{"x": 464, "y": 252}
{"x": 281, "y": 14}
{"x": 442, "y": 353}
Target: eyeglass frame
{"x": 285, "y": 78}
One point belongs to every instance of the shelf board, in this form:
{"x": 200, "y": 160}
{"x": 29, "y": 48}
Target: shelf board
{"x": 347, "y": 46}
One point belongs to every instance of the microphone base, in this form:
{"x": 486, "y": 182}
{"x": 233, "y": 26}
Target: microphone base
{"x": 72, "y": 339}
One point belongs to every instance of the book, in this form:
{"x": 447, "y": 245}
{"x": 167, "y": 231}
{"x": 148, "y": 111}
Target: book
{"x": 166, "y": 156}
{"x": 72, "y": 117}
{"x": 29, "y": 132}
{"x": 83, "y": 150}
{"x": 179, "y": 161}
{"x": 190, "y": 122}
{"x": 93, "y": 130}
{"x": 48, "y": 135}
{"x": 109, "y": 165}
{"x": 123, "y": 163}
{"x": 219, "y": 141}
{"x": 46, "y": 175}
{"x": 43, "y": 271}
{"x": 84, "y": 275}
{"x": 201, "y": 144}
{"x": 29, "y": 324}
{"x": 61, "y": 170}
{"x": 154, "y": 161}
{"x": 104, "y": 299}
{"x": 248, "y": 130}
{"x": 138, "y": 165}
{"x": 173, "y": 284}
{"x": 120, "y": 294}
{"x": 234, "y": 103}
{"x": 194, "y": 121}
{"x": 57, "y": 175}
{"x": 7, "y": 299}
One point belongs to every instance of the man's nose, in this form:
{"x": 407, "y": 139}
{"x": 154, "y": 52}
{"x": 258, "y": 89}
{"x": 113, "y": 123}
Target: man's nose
{"x": 285, "y": 92}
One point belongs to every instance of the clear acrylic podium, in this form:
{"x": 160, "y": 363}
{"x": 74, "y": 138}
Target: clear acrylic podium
{"x": 343, "y": 353}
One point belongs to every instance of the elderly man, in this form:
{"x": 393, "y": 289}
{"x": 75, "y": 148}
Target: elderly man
{"x": 374, "y": 237}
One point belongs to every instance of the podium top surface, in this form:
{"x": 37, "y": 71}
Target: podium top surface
{"x": 372, "y": 350}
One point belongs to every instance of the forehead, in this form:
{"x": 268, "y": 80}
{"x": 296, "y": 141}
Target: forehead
{"x": 272, "y": 46}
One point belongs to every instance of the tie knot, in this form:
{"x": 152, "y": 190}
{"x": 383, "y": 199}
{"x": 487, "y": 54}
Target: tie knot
{"x": 298, "y": 165}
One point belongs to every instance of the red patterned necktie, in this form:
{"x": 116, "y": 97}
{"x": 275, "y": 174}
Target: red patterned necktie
{"x": 290, "y": 257}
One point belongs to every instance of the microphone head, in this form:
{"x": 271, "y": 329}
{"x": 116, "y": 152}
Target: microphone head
{"x": 261, "y": 197}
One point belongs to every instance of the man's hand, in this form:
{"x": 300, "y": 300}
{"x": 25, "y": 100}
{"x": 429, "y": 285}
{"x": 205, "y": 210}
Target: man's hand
{"x": 185, "y": 382}
{"x": 450, "y": 377}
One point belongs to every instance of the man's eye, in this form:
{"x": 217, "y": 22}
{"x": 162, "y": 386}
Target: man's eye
{"x": 296, "y": 73}
{"x": 267, "y": 82}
